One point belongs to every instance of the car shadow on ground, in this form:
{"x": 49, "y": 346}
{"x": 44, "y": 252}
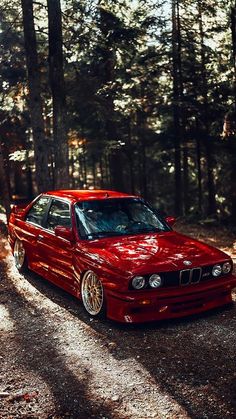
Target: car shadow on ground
{"x": 33, "y": 348}
{"x": 192, "y": 359}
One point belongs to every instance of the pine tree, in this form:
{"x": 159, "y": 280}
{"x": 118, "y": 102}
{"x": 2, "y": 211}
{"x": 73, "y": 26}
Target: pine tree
{"x": 57, "y": 84}
{"x": 35, "y": 101}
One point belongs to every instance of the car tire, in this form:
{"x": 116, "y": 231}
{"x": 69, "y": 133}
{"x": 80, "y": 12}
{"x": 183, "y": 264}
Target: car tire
{"x": 20, "y": 256}
{"x": 92, "y": 295}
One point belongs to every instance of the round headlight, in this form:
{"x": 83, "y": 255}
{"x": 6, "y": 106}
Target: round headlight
{"x": 226, "y": 268}
{"x": 216, "y": 270}
{"x": 155, "y": 281}
{"x": 138, "y": 282}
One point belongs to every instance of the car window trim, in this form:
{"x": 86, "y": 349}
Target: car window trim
{"x": 47, "y": 208}
{"x": 65, "y": 201}
{"x": 45, "y": 217}
{"x": 138, "y": 199}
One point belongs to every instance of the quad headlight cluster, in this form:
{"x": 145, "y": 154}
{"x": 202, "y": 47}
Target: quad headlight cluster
{"x": 140, "y": 282}
{"x": 218, "y": 269}
{"x": 155, "y": 281}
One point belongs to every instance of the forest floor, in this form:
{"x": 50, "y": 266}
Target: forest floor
{"x": 56, "y": 362}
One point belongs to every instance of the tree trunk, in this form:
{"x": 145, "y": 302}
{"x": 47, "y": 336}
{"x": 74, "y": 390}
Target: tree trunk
{"x": 101, "y": 168}
{"x": 111, "y": 129}
{"x": 232, "y": 140}
{"x": 206, "y": 132}
{"x": 29, "y": 181}
{"x": 94, "y": 172}
{"x": 182, "y": 119}
{"x": 144, "y": 169}
{"x": 42, "y": 175}
{"x": 56, "y": 73}
{"x": 107, "y": 171}
{"x": 142, "y": 125}
{"x": 130, "y": 155}
{"x": 199, "y": 173}
{"x": 85, "y": 171}
{"x": 176, "y": 113}
{"x": 233, "y": 33}
{"x": 185, "y": 179}
{"x": 18, "y": 181}
{"x": 116, "y": 171}
{"x": 72, "y": 159}
{"x": 4, "y": 187}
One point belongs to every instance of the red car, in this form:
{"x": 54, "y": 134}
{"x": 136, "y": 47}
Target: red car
{"x": 115, "y": 253}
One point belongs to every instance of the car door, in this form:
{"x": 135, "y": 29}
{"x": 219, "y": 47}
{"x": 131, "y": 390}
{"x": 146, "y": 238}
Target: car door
{"x": 56, "y": 251}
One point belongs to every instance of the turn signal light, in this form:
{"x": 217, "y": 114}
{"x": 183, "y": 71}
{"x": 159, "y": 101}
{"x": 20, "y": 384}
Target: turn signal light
{"x": 144, "y": 302}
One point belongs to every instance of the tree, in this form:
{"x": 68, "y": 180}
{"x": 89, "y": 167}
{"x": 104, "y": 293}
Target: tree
{"x": 177, "y": 110}
{"x": 229, "y": 129}
{"x": 143, "y": 89}
{"x": 43, "y": 180}
{"x": 57, "y": 83}
{"x": 206, "y": 117}
{"x": 4, "y": 185}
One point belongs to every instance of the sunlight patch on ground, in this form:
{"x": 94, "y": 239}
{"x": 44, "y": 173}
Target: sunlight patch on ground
{"x": 6, "y": 324}
{"x": 123, "y": 380}
{"x": 4, "y": 249}
{"x": 3, "y": 218}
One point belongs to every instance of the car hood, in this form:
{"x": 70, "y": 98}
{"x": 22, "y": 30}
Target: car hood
{"x": 153, "y": 252}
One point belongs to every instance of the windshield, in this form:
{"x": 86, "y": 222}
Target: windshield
{"x": 116, "y": 217}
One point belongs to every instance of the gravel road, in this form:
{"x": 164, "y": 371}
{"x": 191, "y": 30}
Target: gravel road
{"x": 56, "y": 362}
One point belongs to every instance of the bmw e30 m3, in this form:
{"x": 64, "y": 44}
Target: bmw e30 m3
{"x": 119, "y": 256}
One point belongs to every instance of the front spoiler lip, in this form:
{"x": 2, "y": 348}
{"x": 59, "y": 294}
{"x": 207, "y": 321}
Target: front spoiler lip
{"x": 193, "y": 289}
{"x": 175, "y": 303}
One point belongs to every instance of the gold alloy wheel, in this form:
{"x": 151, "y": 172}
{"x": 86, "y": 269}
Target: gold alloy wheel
{"x": 19, "y": 254}
{"x": 92, "y": 293}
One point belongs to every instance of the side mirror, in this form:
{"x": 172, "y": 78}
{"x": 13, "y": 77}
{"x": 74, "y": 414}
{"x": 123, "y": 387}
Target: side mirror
{"x": 170, "y": 220}
{"x": 65, "y": 233}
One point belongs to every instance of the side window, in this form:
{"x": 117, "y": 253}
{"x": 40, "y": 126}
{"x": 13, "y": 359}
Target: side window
{"x": 37, "y": 211}
{"x": 58, "y": 215}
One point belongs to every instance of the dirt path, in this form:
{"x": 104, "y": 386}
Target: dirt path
{"x": 58, "y": 363}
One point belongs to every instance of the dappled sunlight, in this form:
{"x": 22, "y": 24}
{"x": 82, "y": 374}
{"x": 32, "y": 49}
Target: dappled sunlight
{"x": 116, "y": 379}
{"x": 158, "y": 370}
{"x": 219, "y": 237}
{"x": 6, "y": 324}
{"x": 36, "y": 349}
{"x": 212, "y": 240}
{"x": 84, "y": 349}
{"x": 3, "y": 250}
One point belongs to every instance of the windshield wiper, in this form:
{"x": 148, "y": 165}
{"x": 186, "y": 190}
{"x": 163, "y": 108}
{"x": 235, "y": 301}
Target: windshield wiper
{"x": 104, "y": 234}
{"x": 144, "y": 230}
{"x": 101, "y": 234}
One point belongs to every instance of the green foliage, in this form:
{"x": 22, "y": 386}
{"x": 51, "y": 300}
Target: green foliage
{"x": 119, "y": 87}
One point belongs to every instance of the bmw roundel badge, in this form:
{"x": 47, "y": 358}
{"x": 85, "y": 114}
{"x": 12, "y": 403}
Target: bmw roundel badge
{"x": 187, "y": 262}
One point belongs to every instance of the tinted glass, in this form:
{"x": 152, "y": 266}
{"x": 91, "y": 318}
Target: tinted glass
{"x": 59, "y": 215}
{"x": 37, "y": 211}
{"x": 113, "y": 217}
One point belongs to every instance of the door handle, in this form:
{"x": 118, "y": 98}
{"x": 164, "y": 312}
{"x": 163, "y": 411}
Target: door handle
{"x": 40, "y": 237}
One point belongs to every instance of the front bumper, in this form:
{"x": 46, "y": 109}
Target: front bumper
{"x": 150, "y": 305}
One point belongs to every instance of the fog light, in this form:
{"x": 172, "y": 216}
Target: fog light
{"x": 216, "y": 270}
{"x": 155, "y": 281}
{"x": 226, "y": 268}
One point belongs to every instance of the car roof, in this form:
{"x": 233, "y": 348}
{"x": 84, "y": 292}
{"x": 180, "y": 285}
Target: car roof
{"x": 87, "y": 194}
